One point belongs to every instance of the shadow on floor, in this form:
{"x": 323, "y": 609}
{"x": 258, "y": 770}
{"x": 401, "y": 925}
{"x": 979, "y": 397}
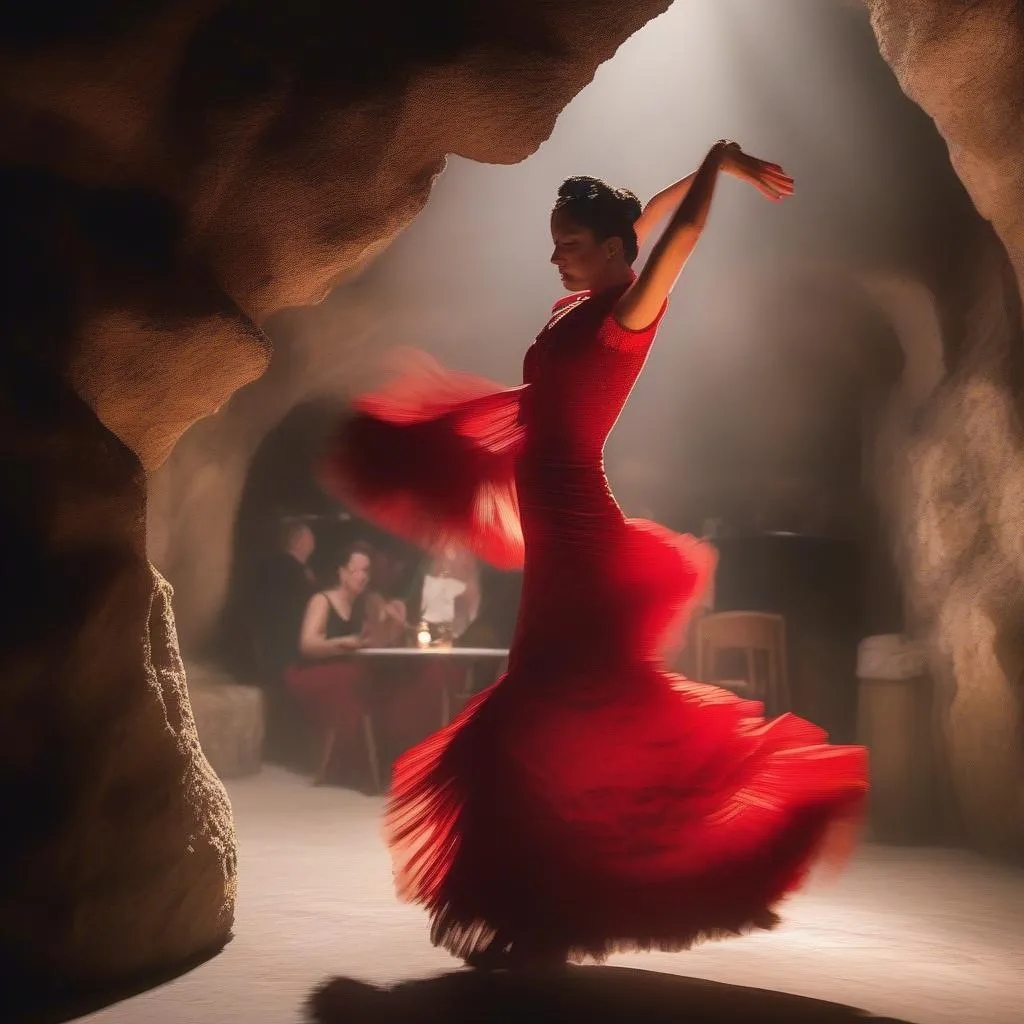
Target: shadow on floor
{"x": 29, "y": 1000}
{"x": 595, "y": 995}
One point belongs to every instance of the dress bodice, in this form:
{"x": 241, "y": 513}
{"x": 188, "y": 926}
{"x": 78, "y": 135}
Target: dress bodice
{"x": 579, "y": 373}
{"x": 581, "y": 369}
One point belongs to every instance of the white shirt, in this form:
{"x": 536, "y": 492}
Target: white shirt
{"x": 439, "y": 594}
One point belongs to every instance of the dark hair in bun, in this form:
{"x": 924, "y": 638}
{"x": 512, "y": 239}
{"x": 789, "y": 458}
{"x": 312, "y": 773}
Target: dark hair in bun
{"x": 607, "y": 212}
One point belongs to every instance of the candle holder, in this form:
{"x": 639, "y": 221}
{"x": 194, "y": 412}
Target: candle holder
{"x": 423, "y": 636}
{"x": 432, "y": 634}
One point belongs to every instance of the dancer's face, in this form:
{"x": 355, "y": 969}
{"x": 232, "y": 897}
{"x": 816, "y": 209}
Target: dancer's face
{"x": 582, "y": 261}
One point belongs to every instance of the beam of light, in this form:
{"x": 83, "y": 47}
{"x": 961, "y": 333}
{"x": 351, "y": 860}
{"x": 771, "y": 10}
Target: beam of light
{"x": 797, "y": 81}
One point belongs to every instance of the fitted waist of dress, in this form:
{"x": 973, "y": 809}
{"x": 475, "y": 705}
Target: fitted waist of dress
{"x": 564, "y": 502}
{"x": 540, "y": 477}
{"x": 547, "y": 458}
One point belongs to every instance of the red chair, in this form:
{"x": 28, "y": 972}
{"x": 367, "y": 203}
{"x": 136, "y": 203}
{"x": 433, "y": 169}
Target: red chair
{"x": 333, "y": 691}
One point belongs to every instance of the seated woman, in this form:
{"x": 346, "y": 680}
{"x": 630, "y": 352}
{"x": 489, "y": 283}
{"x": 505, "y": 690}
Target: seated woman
{"x": 329, "y": 685}
{"x": 336, "y": 617}
{"x": 397, "y": 703}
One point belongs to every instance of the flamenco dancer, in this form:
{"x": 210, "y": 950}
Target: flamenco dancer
{"x": 589, "y": 802}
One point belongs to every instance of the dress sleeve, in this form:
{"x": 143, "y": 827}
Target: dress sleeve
{"x": 612, "y": 334}
{"x": 431, "y": 458}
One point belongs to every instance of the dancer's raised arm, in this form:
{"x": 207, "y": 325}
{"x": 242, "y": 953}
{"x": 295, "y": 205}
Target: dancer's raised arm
{"x": 661, "y": 206}
{"x": 642, "y": 302}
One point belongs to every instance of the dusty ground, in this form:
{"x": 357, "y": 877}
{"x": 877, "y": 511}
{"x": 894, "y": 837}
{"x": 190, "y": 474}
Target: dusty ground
{"x": 927, "y": 937}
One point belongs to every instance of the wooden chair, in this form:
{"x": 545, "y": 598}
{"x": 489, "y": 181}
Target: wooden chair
{"x": 749, "y": 634}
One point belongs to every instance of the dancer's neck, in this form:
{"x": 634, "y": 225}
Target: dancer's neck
{"x": 616, "y": 277}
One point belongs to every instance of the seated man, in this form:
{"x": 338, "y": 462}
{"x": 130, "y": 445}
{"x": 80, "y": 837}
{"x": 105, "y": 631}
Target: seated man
{"x": 281, "y": 586}
{"x": 270, "y": 607}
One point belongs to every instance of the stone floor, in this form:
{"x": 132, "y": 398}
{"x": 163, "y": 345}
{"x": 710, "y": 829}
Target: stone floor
{"x": 921, "y": 936}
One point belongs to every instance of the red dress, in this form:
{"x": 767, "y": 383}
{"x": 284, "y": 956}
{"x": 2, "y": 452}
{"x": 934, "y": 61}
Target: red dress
{"x": 590, "y": 800}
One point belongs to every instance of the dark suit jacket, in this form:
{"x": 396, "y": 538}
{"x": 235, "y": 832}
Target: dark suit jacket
{"x": 277, "y": 603}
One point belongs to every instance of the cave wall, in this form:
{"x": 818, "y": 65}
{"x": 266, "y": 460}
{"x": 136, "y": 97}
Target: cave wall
{"x": 171, "y": 175}
{"x": 958, "y": 500}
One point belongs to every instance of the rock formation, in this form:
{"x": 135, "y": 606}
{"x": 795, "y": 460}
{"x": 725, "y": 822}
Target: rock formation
{"x": 173, "y": 174}
{"x": 960, "y": 514}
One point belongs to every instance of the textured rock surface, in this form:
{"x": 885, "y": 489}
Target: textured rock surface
{"x": 119, "y": 847}
{"x": 964, "y": 447}
{"x": 170, "y": 175}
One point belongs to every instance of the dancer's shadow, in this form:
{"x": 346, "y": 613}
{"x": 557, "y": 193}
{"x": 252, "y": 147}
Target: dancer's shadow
{"x": 595, "y": 995}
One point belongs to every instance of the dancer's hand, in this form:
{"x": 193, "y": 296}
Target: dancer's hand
{"x": 769, "y": 179}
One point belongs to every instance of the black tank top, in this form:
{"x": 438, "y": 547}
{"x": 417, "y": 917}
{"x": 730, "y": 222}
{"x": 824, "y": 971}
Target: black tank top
{"x": 337, "y": 626}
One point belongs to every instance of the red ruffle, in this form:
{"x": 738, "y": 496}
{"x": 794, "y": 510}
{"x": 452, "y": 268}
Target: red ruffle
{"x": 431, "y": 458}
{"x": 671, "y": 814}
